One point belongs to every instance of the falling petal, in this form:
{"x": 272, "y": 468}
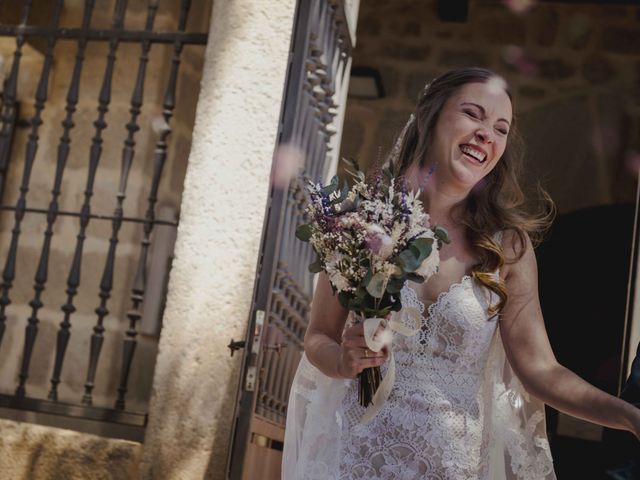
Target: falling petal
{"x": 159, "y": 124}
{"x": 519, "y": 6}
{"x": 518, "y": 58}
{"x": 496, "y": 84}
{"x": 288, "y": 161}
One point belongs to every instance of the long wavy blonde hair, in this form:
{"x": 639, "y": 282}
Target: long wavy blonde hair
{"x": 497, "y": 202}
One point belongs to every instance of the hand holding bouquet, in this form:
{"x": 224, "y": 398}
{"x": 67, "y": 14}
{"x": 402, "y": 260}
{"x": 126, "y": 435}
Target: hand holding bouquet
{"x": 370, "y": 239}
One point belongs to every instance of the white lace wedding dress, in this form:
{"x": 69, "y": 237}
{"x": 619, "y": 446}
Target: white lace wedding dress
{"x": 456, "y": 410}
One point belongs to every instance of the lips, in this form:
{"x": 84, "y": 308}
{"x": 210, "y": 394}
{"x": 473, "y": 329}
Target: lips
{"x": 474, "y": 153}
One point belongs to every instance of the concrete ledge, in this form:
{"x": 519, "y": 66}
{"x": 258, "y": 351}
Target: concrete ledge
{"x": 36, "y": 452}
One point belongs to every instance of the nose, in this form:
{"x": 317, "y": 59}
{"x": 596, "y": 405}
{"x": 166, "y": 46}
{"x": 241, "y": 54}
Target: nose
{"x": 483, "y": 135}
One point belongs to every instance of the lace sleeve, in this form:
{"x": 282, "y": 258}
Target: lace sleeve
{"x": 515, "y": 421}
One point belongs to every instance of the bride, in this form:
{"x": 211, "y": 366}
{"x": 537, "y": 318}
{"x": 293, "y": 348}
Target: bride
{"x": 467, "y": 402}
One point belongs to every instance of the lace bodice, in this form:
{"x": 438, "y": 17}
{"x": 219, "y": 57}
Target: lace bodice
{"x": 456, "y": 410}
{"x": 432, "y": 424}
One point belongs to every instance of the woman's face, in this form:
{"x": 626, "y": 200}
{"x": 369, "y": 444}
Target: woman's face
{"x": 471, "y": 133}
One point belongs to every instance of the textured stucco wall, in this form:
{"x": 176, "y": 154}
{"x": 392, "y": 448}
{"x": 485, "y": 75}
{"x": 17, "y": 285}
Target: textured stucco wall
{"x": 222, "y": 215}
{"x": 36, "y": 452}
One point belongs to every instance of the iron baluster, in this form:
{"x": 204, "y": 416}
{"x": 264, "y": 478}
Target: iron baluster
{"x": 128, "y": 152}
{"x": 62, "y": 338}
{"x": 95, "y": 152}
{"x": 8, "y": 102}
{"x": 160, "y": 154}
{"x": 32, "y": 147}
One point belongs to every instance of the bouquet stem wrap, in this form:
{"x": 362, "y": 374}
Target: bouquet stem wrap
{"x": 410, "y": 316}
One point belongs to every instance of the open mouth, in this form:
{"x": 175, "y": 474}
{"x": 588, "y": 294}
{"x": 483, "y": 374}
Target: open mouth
{"x": 473, "y": 154}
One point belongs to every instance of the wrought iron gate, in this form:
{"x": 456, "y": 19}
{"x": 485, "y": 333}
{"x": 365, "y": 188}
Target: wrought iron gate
{"x": 311, "y": 120}
{"x": 83, "y": 35}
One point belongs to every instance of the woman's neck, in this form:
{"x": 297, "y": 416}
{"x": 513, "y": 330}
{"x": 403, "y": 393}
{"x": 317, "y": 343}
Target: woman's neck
{"x": 439, "y": 198}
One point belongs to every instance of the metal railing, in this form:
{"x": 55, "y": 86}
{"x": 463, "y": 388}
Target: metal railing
{"x": 82, "y": 35}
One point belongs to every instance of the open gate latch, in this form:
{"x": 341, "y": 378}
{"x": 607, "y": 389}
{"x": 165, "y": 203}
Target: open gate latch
{"x": 235, "y": 345}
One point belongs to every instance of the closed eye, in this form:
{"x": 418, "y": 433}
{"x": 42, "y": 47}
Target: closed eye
{"x": 471, "y": 113}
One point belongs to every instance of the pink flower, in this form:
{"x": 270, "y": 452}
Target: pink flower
{"x": 379, "y": 242}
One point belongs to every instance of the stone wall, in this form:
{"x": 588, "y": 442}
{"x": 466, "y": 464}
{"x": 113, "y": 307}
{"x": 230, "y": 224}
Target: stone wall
{"x": 574, "y": 70}
{"x": 103, "y": 201}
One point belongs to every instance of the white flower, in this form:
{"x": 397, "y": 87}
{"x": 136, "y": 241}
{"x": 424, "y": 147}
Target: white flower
{"x": 339, "y": 281}
{"x": 430, "y": 265}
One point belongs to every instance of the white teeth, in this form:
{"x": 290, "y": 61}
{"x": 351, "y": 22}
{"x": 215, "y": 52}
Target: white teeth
{"x": 474, "y": 153}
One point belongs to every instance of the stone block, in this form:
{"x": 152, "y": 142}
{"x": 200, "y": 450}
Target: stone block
{"x": 555, "y": 69}
{"x": 462, "y": 58}
{"x": 404, "y": 28}
{"x": 503, "y": 30}
{"x": 404, "y": 51}
{"x": 368, "y": 25}
{"x": 532, "y": 93}
{"x": 545, "y": 26}
{"x": 597, "y": 69}
{"x": 352, "y": 138}
{"x": 578, "y": 31}
{"x": 415, "y": 82}
{"x": 624, "y": 40}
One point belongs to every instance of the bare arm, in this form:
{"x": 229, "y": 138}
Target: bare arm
{"x": 529, "y": 352}
{"x": 323, "y": 343}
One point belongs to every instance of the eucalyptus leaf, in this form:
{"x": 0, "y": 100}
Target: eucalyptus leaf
{"x": 376, "y": 286}
{"x": 424, "y": 246}
{"x": 395, "y": 284}
{"x": 316, "y": 267}
{"x": 441, "y": 234}
{"x": 367, "y": 277}
{"x": 414, "y": 277}
{"x": 409, "y": 261}
{"x": 333, "y": 185}
{"x": 304, "y": 232}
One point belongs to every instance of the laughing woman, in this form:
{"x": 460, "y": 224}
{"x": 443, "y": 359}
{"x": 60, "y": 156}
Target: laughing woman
{"x": 468, "y": 399}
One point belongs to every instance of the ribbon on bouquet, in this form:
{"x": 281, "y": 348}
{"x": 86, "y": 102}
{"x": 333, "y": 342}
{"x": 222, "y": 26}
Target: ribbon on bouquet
{"x": 408, "y": 316}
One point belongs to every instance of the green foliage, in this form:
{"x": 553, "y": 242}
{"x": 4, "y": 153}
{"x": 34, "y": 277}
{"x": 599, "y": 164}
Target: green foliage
{"x": 376, "y": 286}
{"x": 304, "y": 232}
{"x": 316, "y": 267}
{"x": 332, "y": 186}
{"x": 441, "y": 234}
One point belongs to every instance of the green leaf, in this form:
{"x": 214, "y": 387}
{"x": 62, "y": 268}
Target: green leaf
{"x": 441, "y": 234}
{"x": 409, "y": 261}
{"x": 377, "y": 285}
{"x": 333, "y": 185}
{"x": 361, "y": 292}
{"x": 303, "y": 232}
{"x": 367, "y": 277}
{"x": 316, "y": 267}
{"x": 424, "y": 246}
{"x": 343, "y": 298}
{"x": 395, "y": 284}
{"x": 414, "y": 277}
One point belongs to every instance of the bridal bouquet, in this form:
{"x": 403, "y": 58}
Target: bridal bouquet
{"x": 370, "y": 239}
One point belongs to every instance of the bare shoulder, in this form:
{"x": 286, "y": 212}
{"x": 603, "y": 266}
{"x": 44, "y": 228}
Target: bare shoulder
{"x": 519, "y": 256}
